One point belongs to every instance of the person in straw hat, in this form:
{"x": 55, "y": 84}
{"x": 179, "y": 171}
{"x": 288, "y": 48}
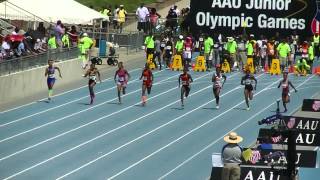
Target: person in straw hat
{"x": 231, "y": 157}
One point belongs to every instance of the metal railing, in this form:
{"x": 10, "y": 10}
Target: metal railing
{"x": 28, "y": 62}
{"x": 131, "y": 24}
{"x": 30, "y": 20}
{"x": 6, "y": 28}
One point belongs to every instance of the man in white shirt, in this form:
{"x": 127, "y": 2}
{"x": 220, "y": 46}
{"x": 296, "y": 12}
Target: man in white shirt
{"x": 142, "y": 14}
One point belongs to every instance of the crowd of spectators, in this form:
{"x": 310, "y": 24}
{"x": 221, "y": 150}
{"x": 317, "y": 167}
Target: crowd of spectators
{"x": 20, "y": 43}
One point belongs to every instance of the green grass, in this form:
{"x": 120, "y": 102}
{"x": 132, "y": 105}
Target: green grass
{"x": 129, "y": 5}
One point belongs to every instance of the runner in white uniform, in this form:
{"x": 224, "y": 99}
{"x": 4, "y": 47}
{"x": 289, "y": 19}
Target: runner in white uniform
{"x": 218, "y": 80}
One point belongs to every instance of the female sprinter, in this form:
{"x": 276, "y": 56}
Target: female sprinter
{"x": 186, "y": 80}
{"x": 147, "y": 77}
{"x": 92, "y": 72}
{"x": 50, "y": 70}
{"x": 121, "y": 78}
{"x": 247, "y": 81}
{"x": 285, "y": 90}
{"x": 218, "y": 84}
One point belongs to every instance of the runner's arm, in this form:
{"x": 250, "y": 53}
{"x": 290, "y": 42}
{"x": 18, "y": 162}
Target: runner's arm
{"x": 152, "y": 76}
{"x": 179, "y": 80}
{"x": 279, "y": 84}
{"x": 242, "y": 79}
{"x": 86, "y": 74}
{"x": 46, "y": 72}
{"x": 256, "y": 82}
{"x": 289, "y": 82}
{"x": 225, "y": 79}
{"x": 129, "y": 77}
{"x": 191, "y": 80}
{"x": 99, "y": 75}
{"x": 115, "y": 76}
{"x": 57, "y": 68}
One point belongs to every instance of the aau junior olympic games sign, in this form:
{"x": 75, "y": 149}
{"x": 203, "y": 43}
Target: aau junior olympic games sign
{"x": 258, "y": 16}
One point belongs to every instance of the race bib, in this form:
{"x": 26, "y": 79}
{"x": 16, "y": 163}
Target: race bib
{"x": 51, "y": 75}
{"x": 188, "y": 49}
{"x": 145, "y": 78}
{"x": 121, "y": 79}
{"x": 163, "y": 45}
{"x": 93, "y": 78}
{"x": 168, "y": 48}
{"x": 247, "y": 81}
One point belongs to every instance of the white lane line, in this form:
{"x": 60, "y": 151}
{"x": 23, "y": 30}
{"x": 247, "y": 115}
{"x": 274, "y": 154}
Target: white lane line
{"x": 91, "y": 122}
{"x": 84, "y": 143}
{"x": 214, "y": 142}
{"x": 146, "y": 133}
{"x": 71, "y": 115}
{"x": 105, "y": 80}
{"x": 64, "y": 104}
{"x": 181, "y": 137}
{"x": 128, "y": 143}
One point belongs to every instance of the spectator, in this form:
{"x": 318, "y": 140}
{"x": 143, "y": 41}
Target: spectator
{"x": 52, "y": 42}
{"x": 106, "y": 12}
{"x": 6, "y": 48}
{"x": 59, "y": 31}
{"x": 73, "y": 36}
{"x": 41, "y": 30}
{"x": 122, "y": 13}
{"x": 154, "y": 16}
{"x": 38, "y": 46}
{"x": 115, "y": 17}
{"x": 176, "y": 10}
{"x": 231, "y": 157}
{"x": 283, "y": 53}
{"x": 186, "y": 22}
{"x": 142, "y": 14}
{"x": 15, "y": 31}
{"x": 65, "y": 40}
{"x": 86, "y": 44}
{"x": 172, "y": 19}
{"x": 232, "y": 47}
{"x": 208, "y": 46}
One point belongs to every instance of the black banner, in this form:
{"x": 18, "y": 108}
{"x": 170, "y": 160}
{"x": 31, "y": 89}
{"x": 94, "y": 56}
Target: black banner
{"x": 266, "y": 17}
{"x": 302, "y": 123}
{"x": 303, "y": 137}
{"x": 312, "y": 105}
{"x": 257, "y": 173}
{"x": 266, "y": 157}
{"x": 253, "y": 173}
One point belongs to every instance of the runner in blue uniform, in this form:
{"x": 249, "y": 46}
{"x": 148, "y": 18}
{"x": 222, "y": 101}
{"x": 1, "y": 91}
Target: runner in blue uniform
{"x": 50, "y": 74}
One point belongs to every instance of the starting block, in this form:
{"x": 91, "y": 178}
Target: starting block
{"x": 177, "y": 63}
{"x": 150, "y": 62}
{"x": 225, "y": 68}
{"x": 250, "y": 65}
{"x": 200, "y": 64}
{"x": 275, "y": 67}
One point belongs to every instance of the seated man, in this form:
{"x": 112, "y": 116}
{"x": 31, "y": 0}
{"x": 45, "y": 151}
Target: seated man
{"x": 231, "y": 157}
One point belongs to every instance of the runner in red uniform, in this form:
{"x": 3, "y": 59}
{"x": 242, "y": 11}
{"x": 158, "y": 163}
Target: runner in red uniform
{"x": 121, "y": 78}
{"x": 186, "y": 79}
{"x": 147, "y": 77}
{"x": 285, "y": 83}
